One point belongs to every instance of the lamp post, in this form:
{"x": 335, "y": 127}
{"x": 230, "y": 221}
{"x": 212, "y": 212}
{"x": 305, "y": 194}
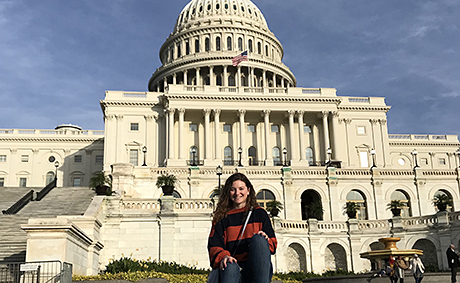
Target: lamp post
{"x": 56, "y": 165}
{"x": 414, "y": 154}
{"x": 219, "y": 173}
{"x": 285, "y": 157}
{"x": 144, "y": 150}
{"x": 240, "y": 152}
{"x": 193, "y": 156}
{"x": 329, "y": 155}
{"x": 373, "y": 158}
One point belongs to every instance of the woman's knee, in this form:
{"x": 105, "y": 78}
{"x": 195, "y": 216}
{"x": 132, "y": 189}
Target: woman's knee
{"x": 259, "y": 240}
{"x": 232, "y": 268}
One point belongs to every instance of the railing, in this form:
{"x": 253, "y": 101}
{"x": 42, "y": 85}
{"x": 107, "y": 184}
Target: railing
{"x": 20, "y": 204}
{"x": 374, "y": 225}
{"x": 324, "y": 226}
{"x": 194, "y": 88}
{"x": 193, "y": 205}
{"x": 140, "y": 204}
{"x": 420, "y": 221}
{"x": 230, "y": 162}
{"x": 256, "y": 163}
{"x": 135, "y": 94}
{"x": 294, "y": 225}
{"x": 416, "y": 137}
{"x": 195, "y": 162}
{"x": 36, "y": 272}
{"x": 311, "y": 91}
{"x": 358, "y": 100}
{"x": 52, "y": 132}
{"x": 253, "y": 90}
{"x": 41, "y": 194}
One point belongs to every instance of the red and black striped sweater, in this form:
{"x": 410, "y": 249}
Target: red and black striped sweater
{"x": 225, "y": 234}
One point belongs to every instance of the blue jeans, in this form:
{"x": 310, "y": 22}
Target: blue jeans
{"x": 258, "y": 268}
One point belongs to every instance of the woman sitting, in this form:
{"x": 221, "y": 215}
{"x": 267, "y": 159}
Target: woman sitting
{"x": 241, "y": 257}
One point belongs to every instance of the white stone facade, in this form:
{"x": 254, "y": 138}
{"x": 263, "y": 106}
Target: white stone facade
{"x": 200, "y": 110}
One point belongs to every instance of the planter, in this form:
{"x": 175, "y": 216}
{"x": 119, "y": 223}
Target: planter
{"x": 396, "y": 211}
{"x": 351, "y": 214}
{"x": 167, "y": 190}
{"x": 442, "y": 206}
{"x": 274, "y": 212}
{"x": 101, "y": 190}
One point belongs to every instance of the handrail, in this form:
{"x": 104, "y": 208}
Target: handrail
{"x": 41, "y": 194}
{"x": 16, "y": 207}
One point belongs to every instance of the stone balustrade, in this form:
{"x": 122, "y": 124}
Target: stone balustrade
{"x": 424, "y": 221}
{"x": 193, "y": 205}
{"x": 152, "y": 205}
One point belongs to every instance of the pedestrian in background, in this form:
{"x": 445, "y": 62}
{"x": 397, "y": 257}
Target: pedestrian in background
{"x": 452, "y": 259}
{"x": 417, "y": 268}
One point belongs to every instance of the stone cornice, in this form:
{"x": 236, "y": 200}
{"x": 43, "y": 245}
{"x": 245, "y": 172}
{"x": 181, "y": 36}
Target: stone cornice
{"x": 335, "y": 101}
{"x": 365, "y": 108}
{"x": 52, "y": 139}
{"x": 128, "y": 103}
{"x": 412, "y": 143}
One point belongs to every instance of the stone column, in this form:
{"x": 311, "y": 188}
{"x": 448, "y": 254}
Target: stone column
{"x": 385, "y": 143}
{"x": 337, "y": 134}
{"x": 207, "y": 133}
{"x": 274, "y": 80}
{"x": 217, "y": 134}
{"x": 185, "y": 77}
{"x": 264, "y": 79}
{"x": 171, "y": 133}
{"x": 241, "y": 113}
{"x": 174, "y": 79}
{"x": 211, "y": 76}
{"x": 149, "y": 131}
{"x": 301, "y": 135}
{"x": 268, "y": 157}
{"x": 327, "y": 144}
{"x": 119, "y": 146}
{"x": 181, "y": 133}
{"x": 316, "y": 146}
{"x": 198, "y": 77}
{"x": 292, "y": 149}
{"x": 225, "y": 78}
{"x": 251, "y": 77}
{"x": 238, "y": 81}
{"x": 282, "y": 82}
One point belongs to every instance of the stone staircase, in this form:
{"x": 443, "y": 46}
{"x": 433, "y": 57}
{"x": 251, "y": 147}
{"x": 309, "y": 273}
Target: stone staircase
{"x": 60, "y": 201}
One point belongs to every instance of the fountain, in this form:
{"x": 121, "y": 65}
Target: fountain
{"x": 390, "y": 249}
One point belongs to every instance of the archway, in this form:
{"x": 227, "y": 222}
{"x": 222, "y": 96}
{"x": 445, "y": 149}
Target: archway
{"x": 311, "y": 205}
{"x": 429, "y": 257}
{"x": 296, "y": 258}
{"x": 335, "y": 257}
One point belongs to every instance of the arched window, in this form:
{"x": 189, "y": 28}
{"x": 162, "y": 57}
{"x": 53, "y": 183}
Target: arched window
{"x": 187, "y": 48}
{"x": 49, "y": 177}
{"x": 218, "y": 43}
{"x": 276, "y": 157}
{"x": 229, "y": 43}
{"x": 311, "y": 205}
{"x": 250, "y": 45}
{"x": 231, "y": 81}
{"x": 228, "y": 156}
{"x": 176, "y": 194}
{"x": 219, "y": 80}
{"x": 358, "y": 198}
{"x": 207, "y": 46}
{"x": 206, "y": 80}
{"x": 266, "y": 50}
{"x": 259, "y": 48}
{"x": 309, "y": 156}
{"x": 240, "y": 44}
{"x": 252, "y": 156}
{"x": 244, "y": 81}
{"x": 171, "y": 56}
{"x": 193, "y": 156}
{"x": 179, "y": 53}
{"x": 404, "y": 198}
{"x": 197, "y": 45}
{"x": 263, "y": 197}
{"x": 448, "y": 195}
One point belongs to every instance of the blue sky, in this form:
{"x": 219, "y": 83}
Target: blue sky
{"x": 58, "y": 57}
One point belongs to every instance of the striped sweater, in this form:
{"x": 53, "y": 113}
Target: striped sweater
{"x": 224, "y": 235}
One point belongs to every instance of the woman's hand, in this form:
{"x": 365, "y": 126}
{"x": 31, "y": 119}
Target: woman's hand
{"x": 225, "y": 260}
{"x": 262, "y": 233}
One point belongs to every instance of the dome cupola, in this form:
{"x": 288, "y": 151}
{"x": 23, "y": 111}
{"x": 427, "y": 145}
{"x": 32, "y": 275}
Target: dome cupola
{"x": 207, "y": 35}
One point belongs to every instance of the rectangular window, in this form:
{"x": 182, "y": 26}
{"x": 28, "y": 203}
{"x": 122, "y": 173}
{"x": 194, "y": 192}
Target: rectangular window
{"x": 134, "y": 126}
{"x": 307, "y": 129}
{"x": 187, "y": 48}
{"x": 361, "y": 130}
{"x": 134, "y": 157}
{"x": 22, "y": 182}
{"x": 364, "y": 159}
{"x": 193, "y": 128}
{"x": 275, "y": 129}
{"x": 442, "y": 161}
{"x": 99, "y": 159}
{"x": 251, "y": 128}
{"x": 2, "y": 158}
{"x": 78, "y": 158}
{"x": 77, "y": 182}
{"x": 227, "y": 128}
{"x": 2, "y": 182}
{"x": 24, "y": 158}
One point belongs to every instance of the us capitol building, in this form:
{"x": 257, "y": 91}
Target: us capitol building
{"x": 305, "y": 147}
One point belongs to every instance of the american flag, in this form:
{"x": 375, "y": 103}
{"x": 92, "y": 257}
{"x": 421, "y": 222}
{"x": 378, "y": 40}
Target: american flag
{"x": 240, "y": 58}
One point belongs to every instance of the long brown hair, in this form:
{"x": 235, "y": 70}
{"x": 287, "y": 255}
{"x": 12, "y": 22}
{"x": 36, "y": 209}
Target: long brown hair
{"x": 225, "y": 204}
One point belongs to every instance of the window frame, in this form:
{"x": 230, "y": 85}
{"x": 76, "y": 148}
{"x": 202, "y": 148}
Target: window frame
{"x": 134, "y": 127}
{"x": 78, "y": 158}
{"x": 25, "y": 158}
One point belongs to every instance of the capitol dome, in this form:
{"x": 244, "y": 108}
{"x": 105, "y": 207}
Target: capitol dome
{"x": 198, "y": 10}
{"x": 207, "y": 35}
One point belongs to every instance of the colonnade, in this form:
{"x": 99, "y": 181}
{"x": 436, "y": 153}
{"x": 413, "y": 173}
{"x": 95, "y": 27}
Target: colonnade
{"x": 226, "y": 76}
{"x": 294, "y": 141}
